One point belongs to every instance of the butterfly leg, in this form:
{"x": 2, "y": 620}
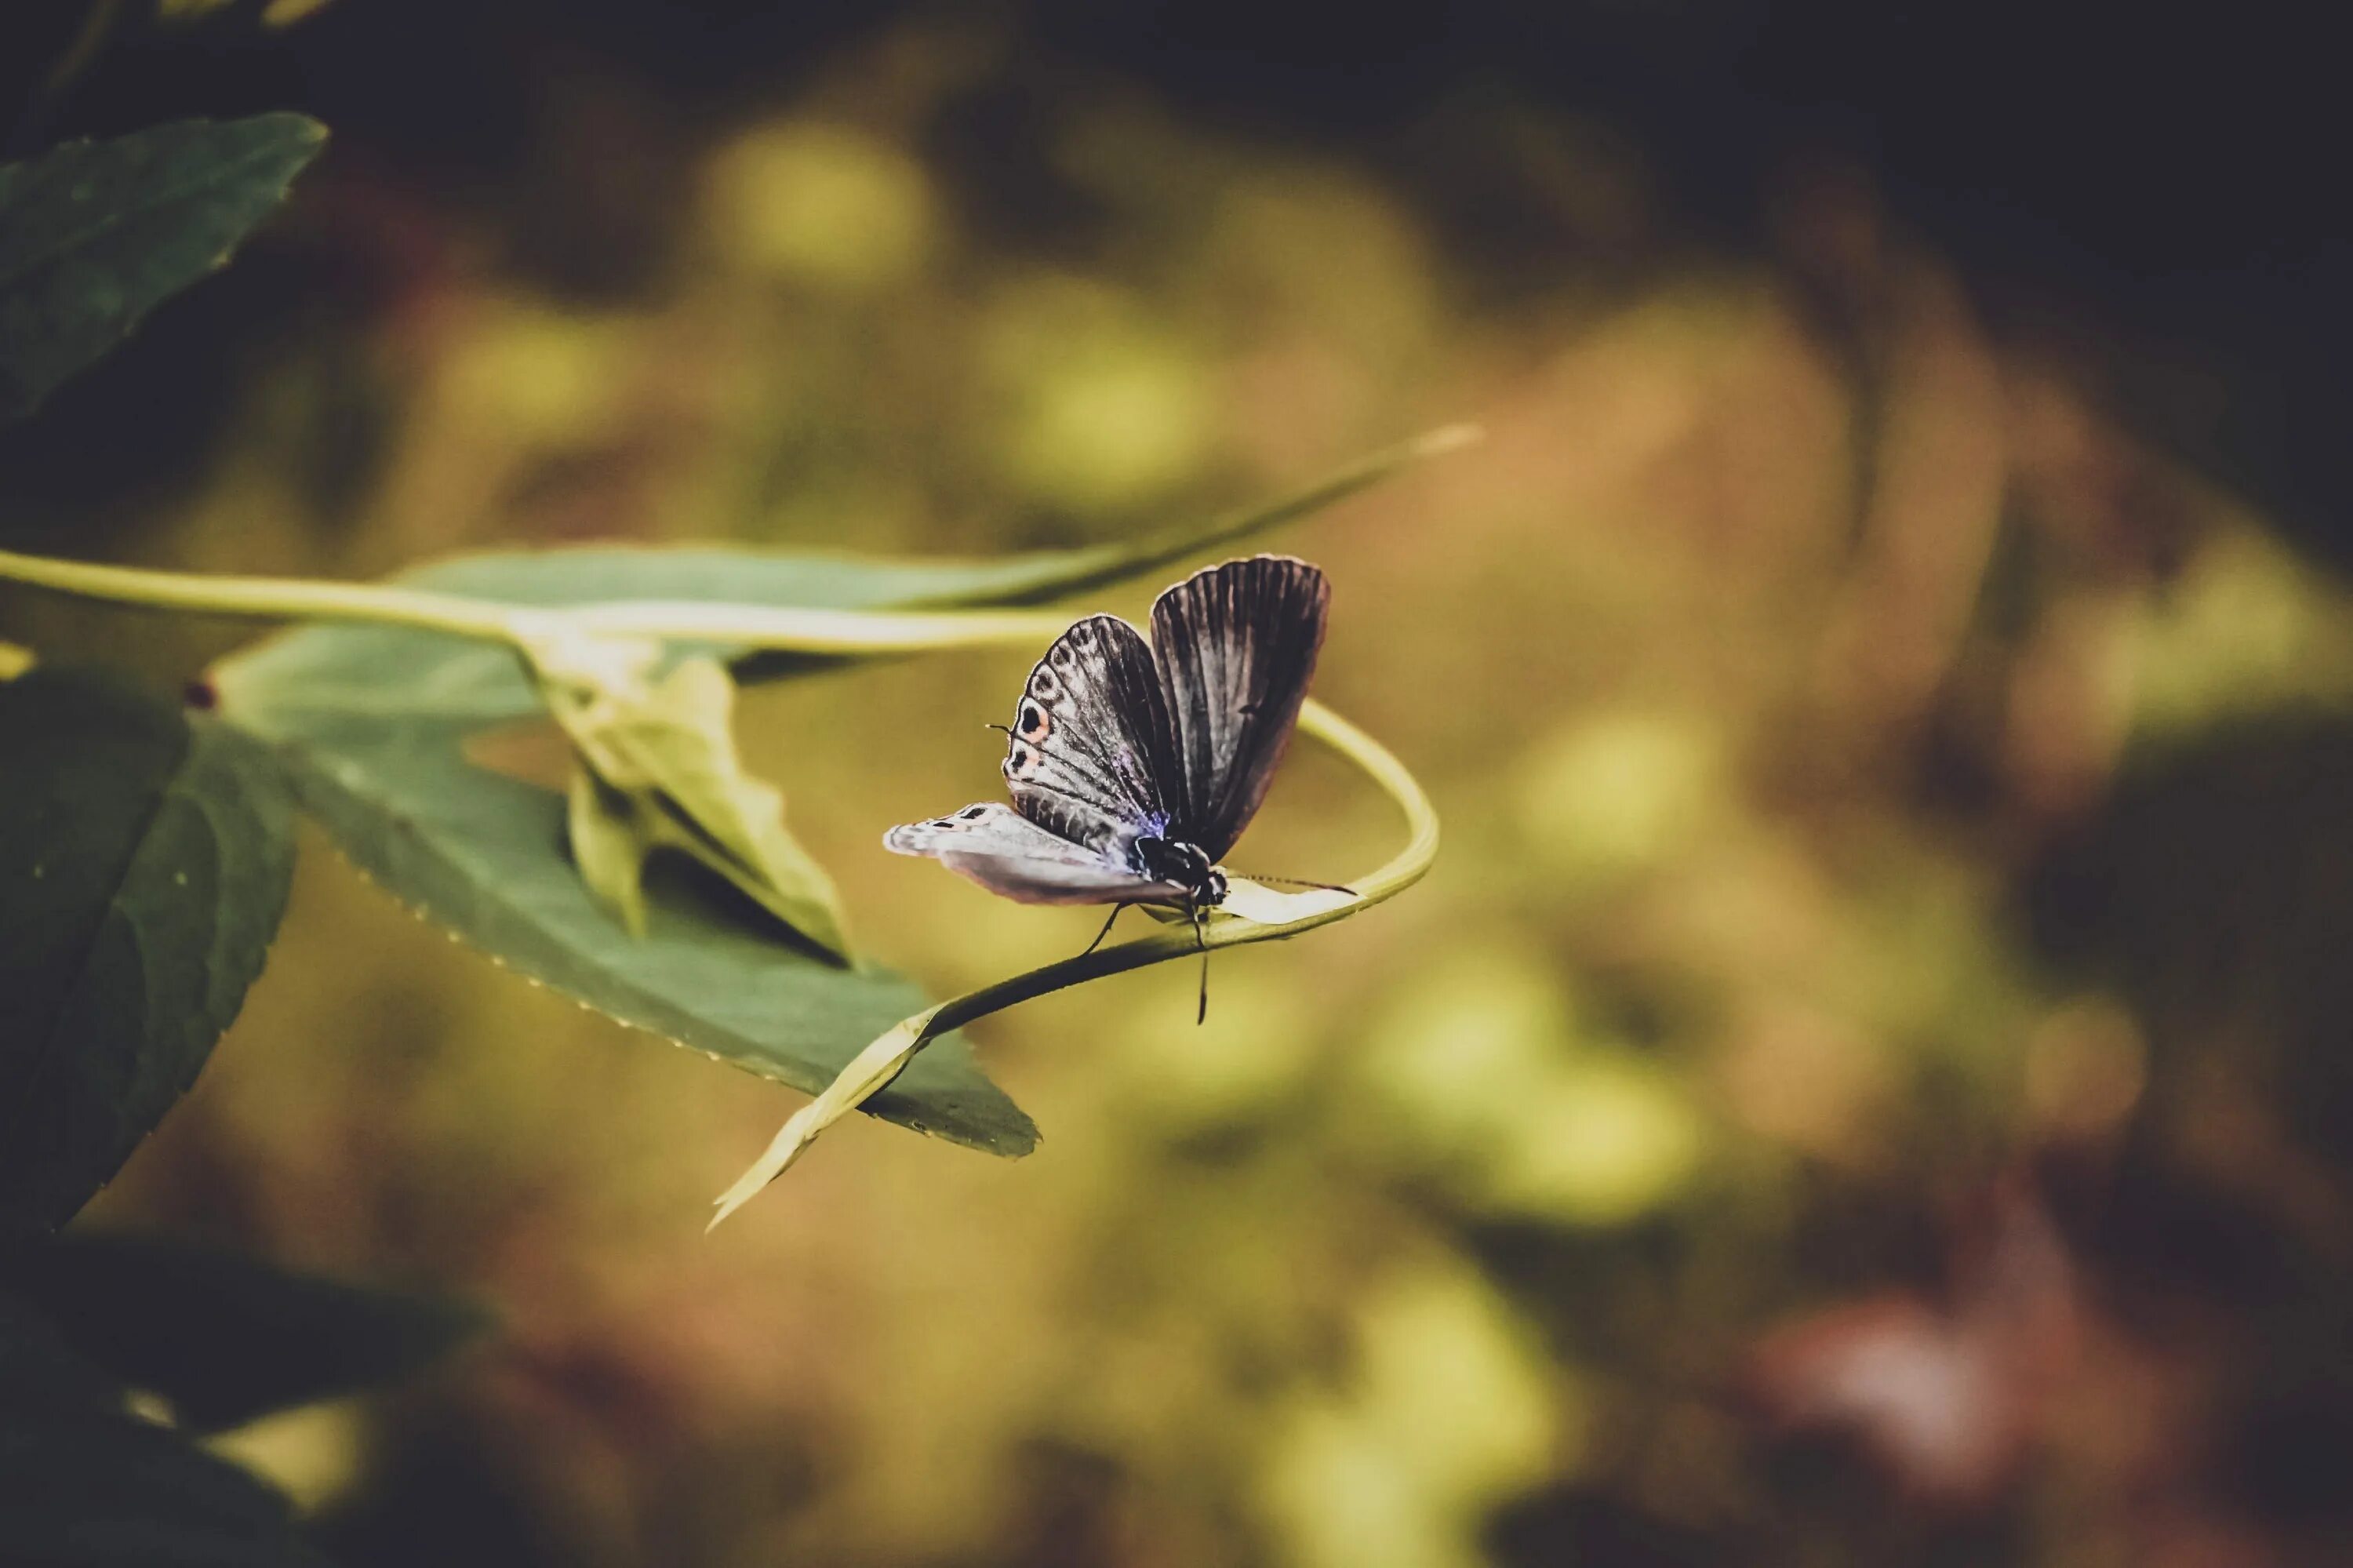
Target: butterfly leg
{"x": 1115, "y": 911}
{"x": 1201, "y": 1014}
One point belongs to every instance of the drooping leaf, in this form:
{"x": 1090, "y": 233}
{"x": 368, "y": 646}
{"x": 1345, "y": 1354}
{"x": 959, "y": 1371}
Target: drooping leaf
{"x": 95, "y": 234}
{"x": 224, "y": 1337}
{"x": 482, "y": 855}
{"x": 611, "y": 845}
{"x": 143, "y": 868}
{"x": 84, "y": 1483}
{"x": 660, "y": 751}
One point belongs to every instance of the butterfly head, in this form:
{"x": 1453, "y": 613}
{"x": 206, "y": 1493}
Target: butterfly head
{"x": 1186, "y": 865}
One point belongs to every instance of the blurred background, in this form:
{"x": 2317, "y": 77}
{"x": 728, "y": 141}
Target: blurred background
{"x": 1867, "y": 1080}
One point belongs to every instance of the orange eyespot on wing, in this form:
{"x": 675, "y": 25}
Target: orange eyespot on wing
{"x": 1090, "y": 752}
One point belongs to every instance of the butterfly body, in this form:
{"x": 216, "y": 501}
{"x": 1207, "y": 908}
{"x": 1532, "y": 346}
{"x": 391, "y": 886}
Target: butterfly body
{"x": 1184, "y": 865}
{"x": 1133, "y": 766}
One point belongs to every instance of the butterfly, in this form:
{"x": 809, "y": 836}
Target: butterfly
{"x": 1134, "y": 766}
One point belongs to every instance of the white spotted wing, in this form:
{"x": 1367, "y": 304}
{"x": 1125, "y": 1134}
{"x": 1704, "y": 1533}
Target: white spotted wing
{"x": 1007, "y": 853}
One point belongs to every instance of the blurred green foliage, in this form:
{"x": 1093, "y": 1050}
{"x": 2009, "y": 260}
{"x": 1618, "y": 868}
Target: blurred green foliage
{"x": 1565, "y": 1210}
{"x": 93, "y": 236}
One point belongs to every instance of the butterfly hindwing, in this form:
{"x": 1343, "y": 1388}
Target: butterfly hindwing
{"x": 1007, "y": 853}
{"x": 1236, "y": 646}
{"x": 1091, "y": 756}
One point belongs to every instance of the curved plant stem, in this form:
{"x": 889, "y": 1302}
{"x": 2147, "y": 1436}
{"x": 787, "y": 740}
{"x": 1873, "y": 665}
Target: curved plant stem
{"x": 267, "y": 598}
{"x": 523, "y": 627}
{"x": 873, "y": 1068}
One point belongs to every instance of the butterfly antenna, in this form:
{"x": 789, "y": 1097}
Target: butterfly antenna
{"x": 1201, "y": 1014}
{"x": 1297, "y": 882}
{"x": 1116, "y": 910}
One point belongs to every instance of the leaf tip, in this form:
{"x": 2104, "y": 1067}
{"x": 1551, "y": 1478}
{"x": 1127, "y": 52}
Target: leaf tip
{"x": 745, "y": 1188}
{"x": 298, "y": 127}
{"x": 732, "y": 1199}
{"x": 795, "y": 1135}
{"x": 1448, "y": 439}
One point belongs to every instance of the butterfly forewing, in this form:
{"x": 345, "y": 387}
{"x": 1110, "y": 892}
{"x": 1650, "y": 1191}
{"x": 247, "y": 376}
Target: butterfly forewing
{"x": 1007, "y": 853}
{"x": 1091, "y": 756}
{"x": 1237, "y": 646}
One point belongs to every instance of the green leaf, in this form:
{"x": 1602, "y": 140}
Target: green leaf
{"x": 224, "y": 1338}
{"x": 661, "y": 752}
{"x": 95, "y": 234}
{"x": 143, "y": 868}
{"x": 86, "y": 1484}
{"x": 482, "y": 855}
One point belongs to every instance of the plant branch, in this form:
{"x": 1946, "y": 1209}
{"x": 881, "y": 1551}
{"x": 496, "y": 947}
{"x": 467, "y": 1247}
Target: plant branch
{"x": 272, "y": 599}
{"x": 760, "y": 627}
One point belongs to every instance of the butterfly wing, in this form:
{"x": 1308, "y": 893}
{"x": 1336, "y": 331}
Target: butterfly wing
{"x": 1091, "y": 754}
{"x": 1007, "y": 853}
{"x": 1236, "y": 645}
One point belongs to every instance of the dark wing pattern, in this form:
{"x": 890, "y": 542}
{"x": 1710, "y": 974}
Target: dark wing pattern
{"x": 1237, "y": 646}
{"x": 1007, "y": 853}
{"x": 1091, "y": 748}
